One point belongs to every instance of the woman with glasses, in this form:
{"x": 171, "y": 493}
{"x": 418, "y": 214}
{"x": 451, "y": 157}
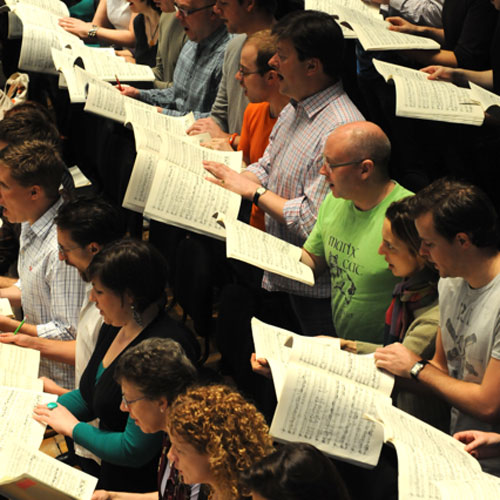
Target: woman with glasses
{"x": 128, "y": 279}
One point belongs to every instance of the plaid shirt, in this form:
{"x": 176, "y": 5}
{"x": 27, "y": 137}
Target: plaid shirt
{"x": 290, "y": 168}
{"x": 52, "y": 291}
{"x": 196, "y": 78}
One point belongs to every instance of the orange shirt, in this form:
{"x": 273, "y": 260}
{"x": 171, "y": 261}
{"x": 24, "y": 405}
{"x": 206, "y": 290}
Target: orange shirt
{"x": 254, "y": 138}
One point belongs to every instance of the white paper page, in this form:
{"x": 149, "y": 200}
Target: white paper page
{"x": 180, "y": 151}
{"x": 481, "y": 487}
{"x": 103, "y": 99}
{"x": 263, "y": 250}
{"x": 64, "y": 62}
{"x": 147, "y": 139}
{"x": 183, "y": 199}
{"x": 17, "y": 460}
{"x": 16, "y": 416}
{"x": 15, "y": 30}
{"x": 19, "y": 360}
{"x": 148, "y": 117}
{"x": 79, "y": 178}
{"x": 108, "y": 67}
{"x": 419, "y": 97}
{"x": 6, "y": 308}
{"x": 485, "y": 97}
{"x": 373, "y": 34}
{"x": 141, "y": 179}
{"x": 326, "y": 411}
{"x": 345, "y": 364}
{"x": 36, "y": 48}
{"x": 54, "y": 6}
{"x": 20, "y": 381}
{"x": 425, "y": 454}
{"x": 38, "y": 17}
{"x": 330, "y": 6}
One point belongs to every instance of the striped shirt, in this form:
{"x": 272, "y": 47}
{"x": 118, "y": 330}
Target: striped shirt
{"x": 52, "y": 291}
{"x": 196, "y": 78}
{"x": 290, "y": 168}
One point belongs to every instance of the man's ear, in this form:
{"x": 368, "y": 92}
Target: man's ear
{"x": 313, "y": 65}
{"x": 367, "y": 167}
{"x": 94, "y": 247}
{"x": 36, "y": 192}
{"x": 463, "y": 240}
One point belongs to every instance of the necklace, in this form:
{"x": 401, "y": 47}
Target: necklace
{"x": 152, "y": 42}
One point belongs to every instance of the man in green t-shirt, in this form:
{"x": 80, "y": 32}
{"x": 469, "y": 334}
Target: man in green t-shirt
{"x": 348, "y": 231}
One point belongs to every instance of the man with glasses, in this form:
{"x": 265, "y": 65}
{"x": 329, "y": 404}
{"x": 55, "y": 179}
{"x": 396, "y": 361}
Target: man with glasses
{"x": 244, "y": 17}
{"x": 199, "y": 67}
{"x": 286, "y": 182}
{"x": 348, "y": 232}
{"x": 50, "y": 293}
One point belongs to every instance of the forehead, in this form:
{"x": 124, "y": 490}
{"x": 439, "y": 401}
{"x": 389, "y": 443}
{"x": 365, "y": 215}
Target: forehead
{"x": 64, "y": 235}
{"x": 248, "y": 54}
{"x": 285, "y": 46}
{"x": 129, "y": 388}
{"x": 425, "y": 226}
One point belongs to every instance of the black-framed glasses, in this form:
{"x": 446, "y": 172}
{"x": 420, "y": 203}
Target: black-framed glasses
{"x": 127, "y": 403}
{"x": 243, "y": 72}
{"x": 331, "y": 166}
{"x": 188, "y": 12}
{"x": 65, "y": 251}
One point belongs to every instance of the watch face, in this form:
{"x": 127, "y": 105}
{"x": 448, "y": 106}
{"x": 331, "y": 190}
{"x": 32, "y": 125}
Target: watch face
{"x": 261, "y": 190}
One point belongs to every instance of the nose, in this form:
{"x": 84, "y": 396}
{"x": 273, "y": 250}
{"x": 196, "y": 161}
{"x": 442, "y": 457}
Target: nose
{"x": 238, "y": 76}
{"x": 172, "y": 456}
{"x": 423, "y": 250}
{"x": 381, "y": 249}
{"x": 217, "y": 9}
{"x": 93, "y": 296}
{"x": 123, "y": 407}
{"x": 323, "y": 170}
{"x": 62, "y": 255}
{"x": 274, "y": 62}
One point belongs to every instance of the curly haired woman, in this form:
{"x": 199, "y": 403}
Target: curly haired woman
{"x": 215, "y": 434}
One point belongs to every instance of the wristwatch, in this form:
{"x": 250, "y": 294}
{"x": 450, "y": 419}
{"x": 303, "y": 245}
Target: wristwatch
{"x": 417, "y": 368}
{"x": 260, "y": 191}
{"x": 93, "y": 31}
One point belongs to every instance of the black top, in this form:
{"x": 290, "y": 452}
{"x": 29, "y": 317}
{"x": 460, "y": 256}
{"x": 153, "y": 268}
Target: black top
{"x": 495, "y": 57}
{"x": 468, "y": 28}
{"x": 143, "y": 52}
{"x": 104, "y": 397}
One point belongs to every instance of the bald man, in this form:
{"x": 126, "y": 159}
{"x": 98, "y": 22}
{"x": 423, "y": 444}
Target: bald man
{"x": 348, "y": 231}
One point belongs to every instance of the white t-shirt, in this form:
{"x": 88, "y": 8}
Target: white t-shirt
{"x": 470, "y": 327}
{"x": 118, "y": 12}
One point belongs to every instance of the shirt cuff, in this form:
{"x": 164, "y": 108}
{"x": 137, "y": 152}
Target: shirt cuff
{"x": 52, "y": 331}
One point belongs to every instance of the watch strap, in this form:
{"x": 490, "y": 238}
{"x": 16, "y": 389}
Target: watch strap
{"x": 417, "y": 368}
{"x": 260, "y": 191}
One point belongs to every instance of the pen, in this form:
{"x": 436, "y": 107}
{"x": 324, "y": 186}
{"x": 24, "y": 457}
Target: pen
{"x": 20, "y": 325}
{"x": 120, "y": 88}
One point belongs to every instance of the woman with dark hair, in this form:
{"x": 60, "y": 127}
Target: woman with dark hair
{"x": 295, "y": 471}
{"x": 128, "y": 279}
{"x": 146, "y": 25}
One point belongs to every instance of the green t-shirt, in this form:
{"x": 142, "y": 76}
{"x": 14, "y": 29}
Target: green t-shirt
{"x": 362, "y": 284}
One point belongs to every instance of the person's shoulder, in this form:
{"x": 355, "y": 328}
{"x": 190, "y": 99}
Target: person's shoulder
{"x": 450, "y": 286}
{"x": 235, "y": 44}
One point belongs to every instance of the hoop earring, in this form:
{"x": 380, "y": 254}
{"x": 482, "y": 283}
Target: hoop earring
{"x": 137, "y": 315}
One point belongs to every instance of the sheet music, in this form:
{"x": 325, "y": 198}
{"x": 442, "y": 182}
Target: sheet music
{"x": 15, "y": 30}
{"x": 20, "y": 360}
{"x": 16, "y": 416}
{"x": 419, "y": 97}
{"x": 148, "y": 117}
{"x": 184, "y": 199}
{"x": 148, "y": 139}
{"x": 18, "y": 461}
{"x": 20, "y": 381}
{"x": 485, "y": 97}
{"x": 327, "y": 411}
{"x": 36, "y": 48}
{"x": 263, "y": 250}
{"x": 481, "y": 487}
{"x": 373, "y": 33}
{"x": 103, "y": 99}
{"x": 345, "y": 364}
{"x": 41, "y": 18}
{"x": 73, "y": 77}
{"x": 6, "y": 308}
{"x": 54, "y": 6}
{"x": 141, "y": 180}
{"x": 181, "y": 151}
{"x": 425, "y": 454}
{"x": 330, "y": 7}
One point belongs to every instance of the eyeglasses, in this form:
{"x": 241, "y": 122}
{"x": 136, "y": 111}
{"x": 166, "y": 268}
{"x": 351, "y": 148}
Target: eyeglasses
{"x": 65, "y": 251}
{"x": 244, "y": 72}
{"x": 188, "y": 12}
{"x": 331, "y": 166}
{"x": 127, "y": 403}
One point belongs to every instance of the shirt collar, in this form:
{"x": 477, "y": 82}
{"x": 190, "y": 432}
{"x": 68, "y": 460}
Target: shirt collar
{"x": 315, "y": 103}
{"x": 43, "y": 224}
{"x": 213, "y": 40}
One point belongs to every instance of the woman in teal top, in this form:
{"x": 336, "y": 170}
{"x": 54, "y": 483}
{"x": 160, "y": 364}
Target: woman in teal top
{"x": 128, "y": 279}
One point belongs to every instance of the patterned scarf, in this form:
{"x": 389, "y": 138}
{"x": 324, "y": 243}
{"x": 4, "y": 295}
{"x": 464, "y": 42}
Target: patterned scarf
{"x": 412, "y": 293}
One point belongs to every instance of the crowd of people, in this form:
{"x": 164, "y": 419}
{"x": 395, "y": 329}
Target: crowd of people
{"x": 396, "y": 217}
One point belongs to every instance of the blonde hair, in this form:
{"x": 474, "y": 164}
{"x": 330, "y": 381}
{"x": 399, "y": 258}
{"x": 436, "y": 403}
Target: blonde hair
{"x": 218, "y": 422}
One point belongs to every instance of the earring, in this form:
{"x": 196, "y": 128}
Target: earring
{"x": 137, "y": 315}
{"x": 162, "y": 410}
